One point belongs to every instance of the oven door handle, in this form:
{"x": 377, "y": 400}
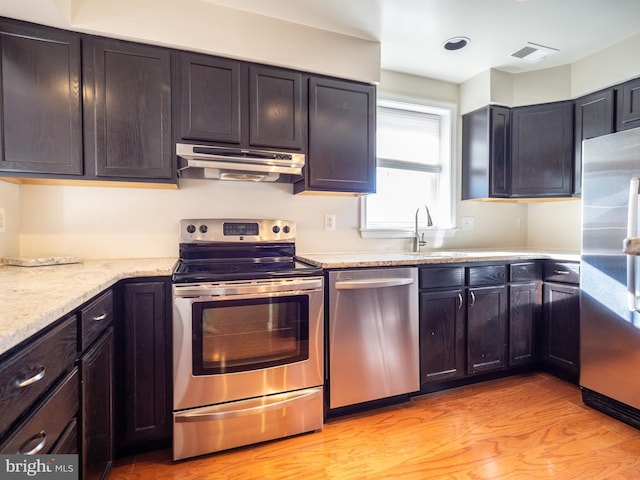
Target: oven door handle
{"x": 239, "y": 289}
{"x": 255, "y": 406}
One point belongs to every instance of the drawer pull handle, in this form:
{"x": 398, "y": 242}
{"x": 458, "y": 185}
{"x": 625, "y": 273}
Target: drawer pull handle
{"x": 561, "y": 272}
{"x": 459, "y": 301}
{"x": 473, "y": 299}
{"x": 102, "y": 316}
{"x": 37, "y": 376}
{"x": 42, "y": 436}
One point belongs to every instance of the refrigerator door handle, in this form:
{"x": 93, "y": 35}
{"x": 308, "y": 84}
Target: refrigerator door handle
{"x": 631, "y": 244}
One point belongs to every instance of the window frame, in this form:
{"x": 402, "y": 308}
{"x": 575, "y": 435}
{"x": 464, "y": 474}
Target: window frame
{"x": 443, "y": 109}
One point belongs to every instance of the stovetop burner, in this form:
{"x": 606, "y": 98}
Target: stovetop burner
{"x": 222, "y": 250}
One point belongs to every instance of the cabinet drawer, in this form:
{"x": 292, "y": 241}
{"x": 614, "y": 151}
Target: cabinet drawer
{"x": 95, "y": 318}
{"x": 68, "y": 441}
{"x": 486, "y": 275}
{"x": 41, "y": 430}
{"x": 562, "y": 272}
{"x": 523, "y": 272}
{"x": 440, "y": 277}
{"x": 28, "y": 373}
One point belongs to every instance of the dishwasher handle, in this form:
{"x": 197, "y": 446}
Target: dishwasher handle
{"x": 368, "y": 283}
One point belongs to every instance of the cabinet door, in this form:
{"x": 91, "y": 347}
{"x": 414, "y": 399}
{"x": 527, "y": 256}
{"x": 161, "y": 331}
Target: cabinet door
{"x": 562, "y": 327}
{"x": 128, "y": 111}
{"x": 628, "y": 105}
{"x": 40, "y": 107}
{"x": 542, "y": 150}
{"x": 500, "y": 152}
{"x": 442, "y": 348}
{"x": 341, "y": 137}
{"x": 275, "y": 108}
{"x": 593, "y": 118}
{"x": 523, "y": 322}
{"x": 486, "y": 153}
{"x": 486, "y": 329}
{"x": 97, "y": 408}
{"x": 145, "y": 383}
{"x": 209, "y": 98}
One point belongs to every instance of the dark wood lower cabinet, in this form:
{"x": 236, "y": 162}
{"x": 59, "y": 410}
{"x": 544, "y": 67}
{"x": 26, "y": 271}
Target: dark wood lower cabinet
{"x": 561, "y": 316}
{"x": 524, "y": 305}
{"x": 144, "y": 366}
{"x": 442, "y": 336}
{"x": 478, "y": 322}
{"x": 96, "y": 367}
{"x": 486, "y": 329}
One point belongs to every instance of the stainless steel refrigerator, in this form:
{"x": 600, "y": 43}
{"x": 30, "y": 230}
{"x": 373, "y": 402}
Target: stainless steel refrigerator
{"x": 610, "y": 276}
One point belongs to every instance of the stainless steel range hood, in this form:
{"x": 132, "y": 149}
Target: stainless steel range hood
{"x": 224, "y": 163}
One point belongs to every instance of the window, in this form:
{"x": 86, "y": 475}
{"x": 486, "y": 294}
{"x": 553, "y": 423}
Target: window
{"x": 414, "y": 169}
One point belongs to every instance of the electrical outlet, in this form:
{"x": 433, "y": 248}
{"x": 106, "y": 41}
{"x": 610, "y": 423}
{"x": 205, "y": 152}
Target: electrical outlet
{"x": 2, "y": 221}
{"x": 467, "y": 223}
{"x": 330, "y": 222}
{"x": 520, "y": 223}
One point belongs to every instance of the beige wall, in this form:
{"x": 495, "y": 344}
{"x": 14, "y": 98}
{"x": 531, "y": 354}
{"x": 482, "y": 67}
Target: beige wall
{"x": 9, "y": 201}
{"x": 205, "y": 27}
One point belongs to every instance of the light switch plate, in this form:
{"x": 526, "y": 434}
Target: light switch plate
{"x": 2, "y": 221}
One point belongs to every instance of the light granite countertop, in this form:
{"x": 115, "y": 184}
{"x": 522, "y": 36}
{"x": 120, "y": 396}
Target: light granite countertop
{"x": 389, "y": 259}
{"x": 31, "y": 298}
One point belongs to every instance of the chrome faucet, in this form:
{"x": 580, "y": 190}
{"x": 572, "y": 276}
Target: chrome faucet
{"x": 419, "y": 241}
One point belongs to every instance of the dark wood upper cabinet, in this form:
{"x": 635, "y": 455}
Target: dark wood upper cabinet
{"x": 486, "y": 153}
{"x": 628, "y": 105}
{"x": 41, "y": 105}
{"x": 209, "y": 98}
{"x": 542, "y": 150}
{"x": 342, "y": 137}
{"x": 128, "y": 110}
{"x": 228, "y": 102}
{"x": 276, "y": 109}
{"x": 594, "y": 116}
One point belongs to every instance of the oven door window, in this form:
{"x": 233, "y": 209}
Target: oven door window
{"x": 241, "y": 335}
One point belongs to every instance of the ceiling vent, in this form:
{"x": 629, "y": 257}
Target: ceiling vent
{"x": 533, "y": 53}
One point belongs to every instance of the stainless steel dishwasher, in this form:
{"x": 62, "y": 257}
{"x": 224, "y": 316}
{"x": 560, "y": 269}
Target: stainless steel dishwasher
{"x": 373, "y": 334}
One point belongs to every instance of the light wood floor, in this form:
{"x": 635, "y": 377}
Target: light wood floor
{"x": 524, "y": 427}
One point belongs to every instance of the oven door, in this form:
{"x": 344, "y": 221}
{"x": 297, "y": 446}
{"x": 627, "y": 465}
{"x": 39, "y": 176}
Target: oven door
{"x": 239, "y": 340}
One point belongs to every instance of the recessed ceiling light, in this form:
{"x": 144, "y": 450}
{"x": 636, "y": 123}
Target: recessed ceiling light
{"x": 456, "y": 43}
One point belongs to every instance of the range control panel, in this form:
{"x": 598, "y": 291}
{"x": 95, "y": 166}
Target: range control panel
{"x": 213, "y": 230}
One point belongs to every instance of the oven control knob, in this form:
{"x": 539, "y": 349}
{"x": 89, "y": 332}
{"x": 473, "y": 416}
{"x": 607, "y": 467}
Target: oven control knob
{"x": 203, "y": 229}
{"x": 276, "y": 229}
{"x": 191, "y": 228}
{"x": 286, "y": 229}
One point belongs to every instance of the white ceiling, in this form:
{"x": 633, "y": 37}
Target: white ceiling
{"x": 411, "y": 32}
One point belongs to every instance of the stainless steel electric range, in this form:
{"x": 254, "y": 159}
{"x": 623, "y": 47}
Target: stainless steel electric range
{"x": 247, "y": 336}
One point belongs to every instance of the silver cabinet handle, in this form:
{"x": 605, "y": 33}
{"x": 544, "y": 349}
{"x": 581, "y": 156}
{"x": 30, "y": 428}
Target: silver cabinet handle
{"x": 37, "y": 376}
{"x": 372, "y": 283}
{"x": 102, "y": 316}
{"x": 631, "y": 241}
{"x": 459, "y": 301}
{"x": 473, "y": 298}
{"x": 561, "y": 272}
{"x": 42, "y": 436}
